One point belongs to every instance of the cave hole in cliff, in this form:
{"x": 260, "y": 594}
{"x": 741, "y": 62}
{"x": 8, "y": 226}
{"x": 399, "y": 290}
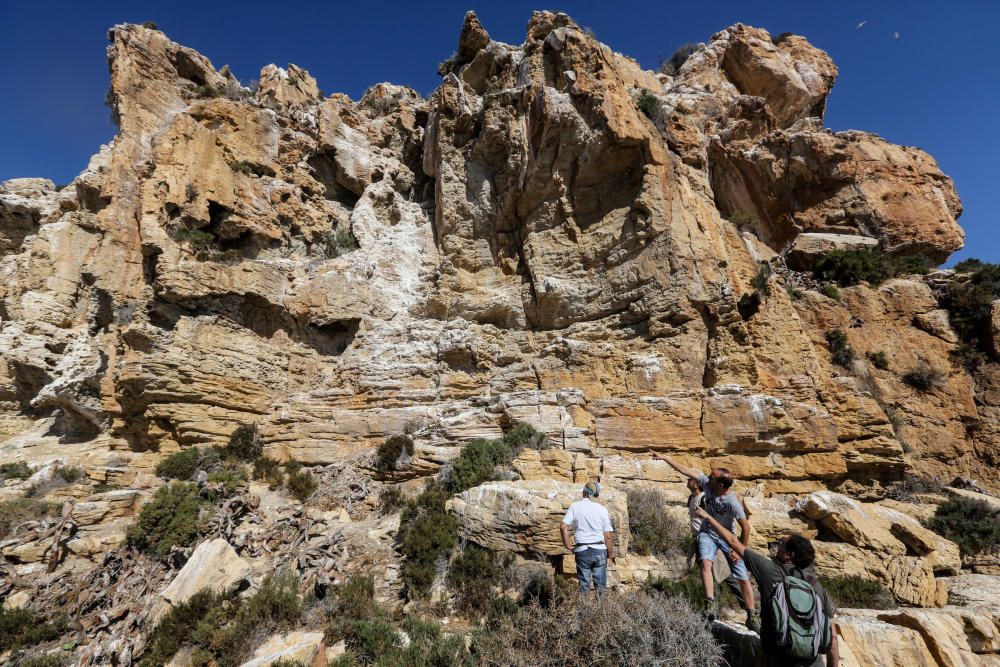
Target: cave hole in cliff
{"x": 324, "y": 167}
{"x": 187, "y": 68}
{"x": 265, "y": 319}
{"x": 150, "y": 259}
{"x": 748, "y": 305}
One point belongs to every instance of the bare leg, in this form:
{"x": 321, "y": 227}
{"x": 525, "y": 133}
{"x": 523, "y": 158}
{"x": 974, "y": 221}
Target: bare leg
{"x": 747, "y": 591}
{"x": 706, "y": 578}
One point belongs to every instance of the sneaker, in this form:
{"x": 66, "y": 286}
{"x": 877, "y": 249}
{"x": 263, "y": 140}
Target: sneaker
{"x": 709, "y": 609}
{"x": 753, "y": 621}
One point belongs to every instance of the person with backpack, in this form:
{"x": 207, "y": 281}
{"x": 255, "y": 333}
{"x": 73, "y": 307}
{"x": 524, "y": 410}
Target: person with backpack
{"x": 725, "y": 506}
{"x": 798, "y": 626}
{"x": 592, "y": 544}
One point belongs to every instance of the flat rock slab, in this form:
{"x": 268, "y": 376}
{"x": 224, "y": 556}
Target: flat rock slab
{"x": 215, "y": 565}
{"x": 304, "y": 648}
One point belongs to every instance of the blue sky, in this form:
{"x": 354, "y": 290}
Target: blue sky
{"x": 936, "y": 87}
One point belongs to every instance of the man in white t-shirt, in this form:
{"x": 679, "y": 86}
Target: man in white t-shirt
{"x": 592, "y": 545}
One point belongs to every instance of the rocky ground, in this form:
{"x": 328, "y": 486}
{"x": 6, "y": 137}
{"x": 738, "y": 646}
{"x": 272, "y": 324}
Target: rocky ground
{"x": 619, "y": 258}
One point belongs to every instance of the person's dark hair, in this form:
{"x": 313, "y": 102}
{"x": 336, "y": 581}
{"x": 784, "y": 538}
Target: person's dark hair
{"x": 801, "y": 550}
{"x": 725, "y": 477}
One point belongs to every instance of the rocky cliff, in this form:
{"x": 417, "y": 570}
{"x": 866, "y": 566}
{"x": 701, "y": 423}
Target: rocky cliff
{"x": 619, "y": 258}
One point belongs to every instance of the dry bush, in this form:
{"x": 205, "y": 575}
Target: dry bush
{"x": 654, "y": 530}
{"x": 618, "y": 629}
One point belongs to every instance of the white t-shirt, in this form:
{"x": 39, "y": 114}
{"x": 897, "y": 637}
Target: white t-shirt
{"x": 591, "y": 520}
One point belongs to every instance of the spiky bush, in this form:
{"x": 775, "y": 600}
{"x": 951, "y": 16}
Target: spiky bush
{"x": 654, "y": 530}
{"x": 924, "y": 377}
{"x": 618, "y": 629}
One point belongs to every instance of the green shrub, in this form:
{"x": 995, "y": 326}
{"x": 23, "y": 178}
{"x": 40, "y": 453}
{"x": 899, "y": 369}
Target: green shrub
{"x": 15, "y": 512}
{"x": 476, "y": 463}
{"x": 391, "y": 500}
{"x": 647, "y": 103}
{"x": 19, "y": 628}
{"x": 223, "y": 630}
{"x": 779, "y": 38}
{"x": 337, "y": 242}
{"x": 45, "y": 660}
{"x": 69, "y": 474}
{"x": 673, "y": 64}
{"x": 229, "y": 481}
{"x": 389, "y": 454}
{"x": 841, "y": 352}
{"x": 970, "y": 523}
{"x": 270, "y": 471}
{"x": 180, "y": 465}
{"x": 300, "y": 481}
{"x": 924, "y": 377}
{"x": 969, "y": 303}
{"x": 16, "y": 470}
{"x": 762, "y": 280}
{"x": 200, "y": 241}
{"x": 149, "y": 24}
{"x": 618, "y": 629}
{"x": 523, "y": 436}
{"x": 851, "y": 266}
{"x": 830, "y": 291}
{"x": 794, "y": 292}
{"x": 275, "y": 606}
{"x": 854, "y": 592}
{"x": 970, "y": 266}
{"x": 175, "y": 627}
{"x": 170, "y": 518}
{"x": 242, "y": 167}
{"x": 427, "y": 533}
{"x": 691, "y": 589}
{"x": 473, "y": 576}
{"x": 878, "y": 360}
{"x": 654, "y": 530}
{"x": 245, "y": 444}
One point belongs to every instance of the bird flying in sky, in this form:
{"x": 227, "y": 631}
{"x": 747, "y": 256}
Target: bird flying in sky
{"x": 860, "y": 25}
{"x": 896, "y": 35}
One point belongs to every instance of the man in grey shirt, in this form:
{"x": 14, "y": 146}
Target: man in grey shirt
{"x": 794, "y": 556}
{"x": 721, "y": 503}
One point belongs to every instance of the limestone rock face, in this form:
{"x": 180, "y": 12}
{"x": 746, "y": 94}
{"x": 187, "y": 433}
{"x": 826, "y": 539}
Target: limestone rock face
{"x": 846, "y": 183}
{"x": 526, "y": 245}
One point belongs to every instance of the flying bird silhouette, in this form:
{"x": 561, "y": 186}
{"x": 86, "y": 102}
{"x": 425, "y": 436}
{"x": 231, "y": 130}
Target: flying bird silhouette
{"x": 860, "y": 25}
{"x": 896, "y": 35}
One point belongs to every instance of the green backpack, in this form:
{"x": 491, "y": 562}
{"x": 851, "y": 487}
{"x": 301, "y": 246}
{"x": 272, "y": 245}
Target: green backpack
{"x": 797, "y": 621}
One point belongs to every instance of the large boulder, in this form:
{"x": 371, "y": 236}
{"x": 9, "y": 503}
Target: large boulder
{"x": 524, "y": 516}
{"x": 214, "y": 565}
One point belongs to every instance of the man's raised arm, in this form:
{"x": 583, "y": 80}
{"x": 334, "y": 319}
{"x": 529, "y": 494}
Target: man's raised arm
{"x": 684, "y": 470}
{"x": 726, "y": 535}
